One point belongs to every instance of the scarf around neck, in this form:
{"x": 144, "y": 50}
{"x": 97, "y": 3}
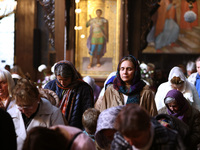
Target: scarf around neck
{"x": 136, "y": 86}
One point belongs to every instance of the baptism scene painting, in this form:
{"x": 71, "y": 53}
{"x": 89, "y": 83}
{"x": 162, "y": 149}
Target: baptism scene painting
{"x": 97, "y": 36}
{"x": 176, "y": 28}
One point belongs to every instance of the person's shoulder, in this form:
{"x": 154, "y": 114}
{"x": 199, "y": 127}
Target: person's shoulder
{"x": 110, "y": 89}
{"x": 162, "y": 132}
{"x": 104, "y": 19}
{"x": 50, "y": 84}
{"x": 190, "y": 85}
{"x": 110, "y": 86}
{"x": 83, "y": 85}
{"x": 49, "y": 95}
{"x": 13, "y": 111}
{"x": 146, "y": 89}
{"x": 194, "y": 111}
{"x": 164, "y": 84}
{"x": 47, "y": 107}
{"x": 4, "y": 115}
{"x": 193, "y": 75}
{"x": 163, "y": 110}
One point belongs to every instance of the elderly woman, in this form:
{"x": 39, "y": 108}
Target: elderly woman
{"x": 31, "y": 110}
{"x": 129, "y": 88}
{"x": 6, "y": 86}
{"x": 75, "y": 95}
{"x": 178, "y": 106}
{"x": 178, "y": 81}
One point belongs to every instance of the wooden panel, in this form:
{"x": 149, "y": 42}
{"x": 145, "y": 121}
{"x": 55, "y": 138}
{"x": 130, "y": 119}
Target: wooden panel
{"x": 134, "y": 18}
{"x": 59, "y": 29}
{"x": 25, "y": 24}
{"x": 70, "y": 23}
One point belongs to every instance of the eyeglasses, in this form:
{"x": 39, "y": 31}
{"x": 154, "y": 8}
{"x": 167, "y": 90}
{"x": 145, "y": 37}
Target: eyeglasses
{"x": 24, "y": 107}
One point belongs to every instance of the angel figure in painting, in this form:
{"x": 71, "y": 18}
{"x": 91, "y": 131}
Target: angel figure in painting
{"x": 98, "y": 37}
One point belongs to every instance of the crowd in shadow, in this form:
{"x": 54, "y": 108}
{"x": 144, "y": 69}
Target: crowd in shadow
{"x": 138, "y": 108}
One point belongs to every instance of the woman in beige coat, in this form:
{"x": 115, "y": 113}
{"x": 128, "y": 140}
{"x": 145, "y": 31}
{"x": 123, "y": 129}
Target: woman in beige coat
{"x": 129, "y": 88}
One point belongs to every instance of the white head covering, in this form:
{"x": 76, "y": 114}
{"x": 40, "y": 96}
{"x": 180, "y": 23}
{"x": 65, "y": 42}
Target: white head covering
{"x": 177, "y": 72}
{"x": 103, "y": 89}
{"x": 191, "y": 66}
{"x": 90, "y": 81}
{"x": 42, "y": 67}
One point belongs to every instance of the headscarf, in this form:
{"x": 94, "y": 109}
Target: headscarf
{"x": 106, "y": 83}
{"x": 106, "y": 120}
{"x": 181, "y": 102}
{"x": 95, "y": 87}
{"x": 177, "y": 72}
{"x": 76, "y": 78}
{"x": 136, "y": 84}
{"x": 68, "y": 90}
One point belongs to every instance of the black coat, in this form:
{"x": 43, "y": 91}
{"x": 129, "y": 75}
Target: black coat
{"x": 80, "y": 99}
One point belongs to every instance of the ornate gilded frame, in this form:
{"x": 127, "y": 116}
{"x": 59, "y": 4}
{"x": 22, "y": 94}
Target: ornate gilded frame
{"x": 111, "y": 11}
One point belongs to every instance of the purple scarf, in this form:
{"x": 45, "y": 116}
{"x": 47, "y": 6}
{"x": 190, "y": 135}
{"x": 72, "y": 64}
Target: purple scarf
{"x": 181, "y": 102}
{"x": 136, "y": 85}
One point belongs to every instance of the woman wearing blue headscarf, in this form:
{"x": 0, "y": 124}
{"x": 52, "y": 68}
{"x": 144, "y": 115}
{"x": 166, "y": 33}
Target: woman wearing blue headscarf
{"x": 129, "y": 88}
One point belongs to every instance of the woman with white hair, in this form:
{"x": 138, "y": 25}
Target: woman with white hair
{"x": 6, "y": 86}
{"x": 190, "y": 67}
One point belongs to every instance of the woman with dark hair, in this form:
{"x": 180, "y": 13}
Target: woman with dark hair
{"x": 129, "y": 88}
{"x": 176, "y": 105}
{"x": 75, "y": 95}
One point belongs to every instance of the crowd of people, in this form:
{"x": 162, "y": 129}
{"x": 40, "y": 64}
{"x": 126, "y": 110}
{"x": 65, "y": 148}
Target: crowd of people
{"x": 136, "y": 109}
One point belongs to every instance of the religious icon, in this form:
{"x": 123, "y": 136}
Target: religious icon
{"x": 166, "y": 30}
{"x": 98, "y": 37}
{"x": 171, "y": 33}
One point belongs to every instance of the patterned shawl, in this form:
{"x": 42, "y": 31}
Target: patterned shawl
{"x": 66, "y": 91}
{"x": 136, "y": 85}
{"x": 181, "y": 102}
